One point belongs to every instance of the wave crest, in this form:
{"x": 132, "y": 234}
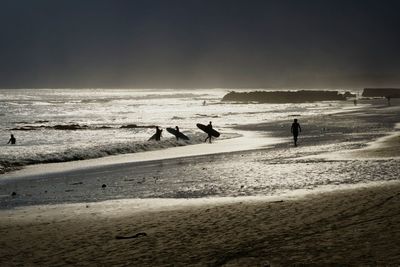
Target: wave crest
{"x": 90, "y": 152}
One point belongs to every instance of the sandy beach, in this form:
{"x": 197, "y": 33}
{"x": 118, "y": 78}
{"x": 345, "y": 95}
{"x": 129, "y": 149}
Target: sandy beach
{"x": 274, "y": 206}
{"x": 358, "y": 227}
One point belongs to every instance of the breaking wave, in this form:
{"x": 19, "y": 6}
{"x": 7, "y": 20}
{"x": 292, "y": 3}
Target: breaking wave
{"x": 90, "y": 152}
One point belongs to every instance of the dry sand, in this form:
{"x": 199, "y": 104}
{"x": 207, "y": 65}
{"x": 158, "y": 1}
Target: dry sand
{"x": 350, "y": 227}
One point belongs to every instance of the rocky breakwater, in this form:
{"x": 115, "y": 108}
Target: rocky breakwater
{"x": 301, "y": 96}
{"x": 381, "y": 92}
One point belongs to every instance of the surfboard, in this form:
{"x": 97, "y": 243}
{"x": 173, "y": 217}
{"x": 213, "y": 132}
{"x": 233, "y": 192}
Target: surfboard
{"x": 205, "y": 129}
{"x": 153, "y": 137}
{"x": 177, "y": 134}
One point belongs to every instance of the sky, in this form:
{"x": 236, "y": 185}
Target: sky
{"x": 199, "y": 44}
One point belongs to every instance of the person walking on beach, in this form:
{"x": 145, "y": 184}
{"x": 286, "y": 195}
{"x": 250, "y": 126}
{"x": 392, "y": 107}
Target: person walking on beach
{"x": 295, "y": 131}
{"x": 12, "y": 140}
{"x": 209, "y": 128}
{"x": 158, "y": 133}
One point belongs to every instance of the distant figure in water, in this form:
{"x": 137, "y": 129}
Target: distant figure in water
{"x": 12, "y": 140}
{"x": 295, "y": 131}
{"x": 388, "y": 100}
{"x": 177, "y": 132}
{"x": 355, "y": 102}
{"x": 158, "y": 133}
{"x": 209, "y": 128}
{"x": 204, "y": 103}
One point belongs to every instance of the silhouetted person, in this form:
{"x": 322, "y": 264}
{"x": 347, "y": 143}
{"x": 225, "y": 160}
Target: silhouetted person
{"x": 12, "y": 140}
{"x": 355, "y": 102}
{"x": 388, "y": 100}
{"x": 204, "y": 103}
{"x": 209, "y": 128}
{"x": 158, "y": 133}
{"x": 295, "y": 131}
{"x": 177, "y": 132}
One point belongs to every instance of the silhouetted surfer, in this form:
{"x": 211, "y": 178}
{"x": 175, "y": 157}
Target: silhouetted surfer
{"x": 12, "y": 140}
{"x": 177, "y": 132}
{"x": 158, "y": 133}
{"x": 295, "y": 131}
{"x": 209, "y": 128}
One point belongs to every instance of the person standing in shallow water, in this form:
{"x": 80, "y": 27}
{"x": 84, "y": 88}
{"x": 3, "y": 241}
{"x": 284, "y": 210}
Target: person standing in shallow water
{"x": 295, "y": 131}
{"x": 158, "y": 133}
{"x": 12, "y": 140}
{"x": 177, "y": 132}
{"x": 209, "y": 128}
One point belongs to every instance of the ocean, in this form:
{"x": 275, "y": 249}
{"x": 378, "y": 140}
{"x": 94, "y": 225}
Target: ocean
{"x": 57, "y": 125}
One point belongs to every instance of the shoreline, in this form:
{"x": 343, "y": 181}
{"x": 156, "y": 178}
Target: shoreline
{"x": 248, "y": 140}
{"x": 250, "y": 135}
{"x": 263, "y": 171}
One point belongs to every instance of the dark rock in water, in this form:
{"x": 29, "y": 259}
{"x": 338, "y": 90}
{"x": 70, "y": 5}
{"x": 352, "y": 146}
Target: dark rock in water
{"x": 302, "y": 96}
{"x": 104, "y": 186}
{"x": 25, "y": 128}
{"x": 13, "y": 194}
{"x": 133, "y": 126}
{"x": 381, "y": 92}
{"x": 176, "y": 118}
{"x": 70, "y": 127}
{"x": 349, "y": 95}
{"x": 129, "y": 126}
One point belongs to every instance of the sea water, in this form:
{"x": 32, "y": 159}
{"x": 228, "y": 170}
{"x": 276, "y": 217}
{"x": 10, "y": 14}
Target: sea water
{"x": 45, "y": 121}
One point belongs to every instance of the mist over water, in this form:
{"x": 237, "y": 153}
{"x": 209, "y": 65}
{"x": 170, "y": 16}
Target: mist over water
{"x": 99, "y": 115}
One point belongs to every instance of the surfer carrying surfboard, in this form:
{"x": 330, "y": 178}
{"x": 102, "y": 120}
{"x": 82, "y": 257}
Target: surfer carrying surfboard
{"x": 209, "y": 128}
{"x": 177, "y": 131}
{"x": 158, "y": 133}
{"x": 178, "y": 134}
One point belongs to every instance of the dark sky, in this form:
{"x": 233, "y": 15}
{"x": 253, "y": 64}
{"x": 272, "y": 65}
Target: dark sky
{"x": 199, "y": 44}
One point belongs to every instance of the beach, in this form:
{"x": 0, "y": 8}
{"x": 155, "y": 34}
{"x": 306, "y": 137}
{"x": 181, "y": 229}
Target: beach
{"x": 333, "y": 200}
{"x": 352, "y": 227}
{"x": 199, "y": 133}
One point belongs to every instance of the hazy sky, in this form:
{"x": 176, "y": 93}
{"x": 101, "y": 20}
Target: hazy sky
{"x": 199, "y": 44}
